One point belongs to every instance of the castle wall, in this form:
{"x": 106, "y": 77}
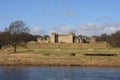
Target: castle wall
{"x": 65, "y": 39}
{"x": 62, "y": 38}
{"x": 53, "y": 38}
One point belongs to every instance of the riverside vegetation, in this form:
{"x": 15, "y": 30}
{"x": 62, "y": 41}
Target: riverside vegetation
{"x": 59, "y": 55}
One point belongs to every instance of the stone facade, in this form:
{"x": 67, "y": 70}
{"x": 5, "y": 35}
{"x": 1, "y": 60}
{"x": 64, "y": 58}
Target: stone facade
{"x": 65, "y": 38}
{"x": 62, "y": 38}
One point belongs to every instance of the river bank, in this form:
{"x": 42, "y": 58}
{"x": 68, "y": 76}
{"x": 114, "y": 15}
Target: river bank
{"x": 21, "y": 59}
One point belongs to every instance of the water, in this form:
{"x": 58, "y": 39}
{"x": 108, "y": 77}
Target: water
{"x": 59, "y": 73}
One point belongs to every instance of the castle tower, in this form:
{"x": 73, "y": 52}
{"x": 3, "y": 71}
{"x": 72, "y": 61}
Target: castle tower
{"x": 71, "y": 37}
{"x": 53, "y": 37}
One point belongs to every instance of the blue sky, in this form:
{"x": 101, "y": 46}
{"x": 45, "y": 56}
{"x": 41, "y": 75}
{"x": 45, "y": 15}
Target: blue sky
{"x": 86, "y": 17}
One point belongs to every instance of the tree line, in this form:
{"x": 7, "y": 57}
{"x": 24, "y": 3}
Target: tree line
{"x": 113, "y": 39}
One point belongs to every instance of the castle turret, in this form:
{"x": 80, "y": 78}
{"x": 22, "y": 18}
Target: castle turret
{"x": 71, "y": 37}
{"x": 53, "y": 37}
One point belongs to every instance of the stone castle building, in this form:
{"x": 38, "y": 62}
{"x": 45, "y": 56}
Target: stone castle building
{"x": 62, "y": 38}
{"x": 65, "y": 38}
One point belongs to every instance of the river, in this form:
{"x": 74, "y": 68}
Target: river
{"x": 59, "y": 73}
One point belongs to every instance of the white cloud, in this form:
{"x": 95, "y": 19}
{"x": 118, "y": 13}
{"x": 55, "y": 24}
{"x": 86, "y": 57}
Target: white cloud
{"x": 38, "y": 31}
{"x": 63, "y": 29}
{"x": 111, "y": 27}
{"x": 35, "y": 30}
{"x": 89, "y": 29}
{"x": 109, "y": 30}
{"x": 97, "y": 29}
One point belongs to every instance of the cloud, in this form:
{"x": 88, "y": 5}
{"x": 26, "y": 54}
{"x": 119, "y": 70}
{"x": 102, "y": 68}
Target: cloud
{"x": 111, "y": 27}
{"x": 64, "y": 29}
{"x": 109, "y": 30}
{"x": 35, "y": 30}
{"x": 38, "y": 31}
{"x": 88, "y": 29}
{"x": 98, "y": 29}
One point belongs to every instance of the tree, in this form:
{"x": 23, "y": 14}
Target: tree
{"x": 4, "y": 37}
{"x": 104, "y": 37}
{"x": 115, "y": 39}
{"x": 46, "y": 37}
{"x": 15, "y": 29}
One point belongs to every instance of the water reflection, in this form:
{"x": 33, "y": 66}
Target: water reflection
{"x": 58, "y": 73}
{"x": 11, "y": 74}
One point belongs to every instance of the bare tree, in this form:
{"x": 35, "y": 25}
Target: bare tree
{"x": 115, "y": 39}
{"x": 15, "y": 29}
{"x": 4, "y": 37}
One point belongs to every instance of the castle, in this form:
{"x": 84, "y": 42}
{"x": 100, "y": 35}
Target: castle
{"x": 65, "y": 38}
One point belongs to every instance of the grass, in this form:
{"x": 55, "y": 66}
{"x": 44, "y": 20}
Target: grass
{"x": 59, "y": 56}
{"x": 61, "y": 51}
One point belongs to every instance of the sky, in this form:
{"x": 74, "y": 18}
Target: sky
{"x": 84, "y": 17}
